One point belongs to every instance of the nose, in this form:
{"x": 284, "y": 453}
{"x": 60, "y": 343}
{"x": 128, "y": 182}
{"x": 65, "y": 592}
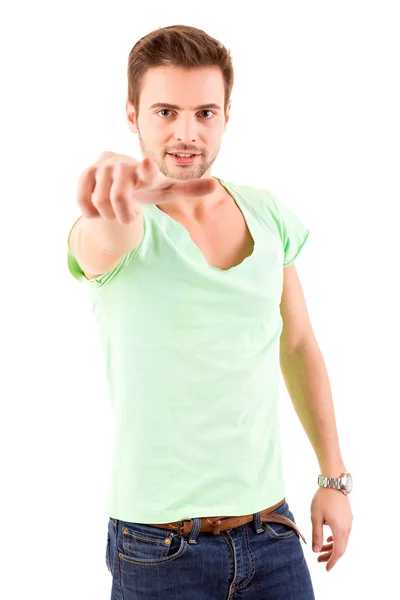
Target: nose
{"x": 186, "y": 129}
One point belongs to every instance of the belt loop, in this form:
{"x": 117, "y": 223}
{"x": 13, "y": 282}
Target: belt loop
{"x": 217, "y": 527}
{"x": 196, "y": 526}
{"x": 257, "y": 522}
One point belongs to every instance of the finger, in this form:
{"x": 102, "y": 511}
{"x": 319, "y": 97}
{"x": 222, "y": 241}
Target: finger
{"x": 330, "y": 538}
{"x": 85, "y": 187}
{"x": 324, "y": 557}
{"x": 189, "y": 187}
{"x": 339, "y": 548}
{"x": 101, "y": 194}
{"x": 326, "y": 547}
{"x": 121, "y": 193}
{"x": 317, "y": 534}
{"x": 148, "y": 173}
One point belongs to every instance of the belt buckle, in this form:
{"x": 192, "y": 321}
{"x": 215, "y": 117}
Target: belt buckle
{"x": 181, "y": 525}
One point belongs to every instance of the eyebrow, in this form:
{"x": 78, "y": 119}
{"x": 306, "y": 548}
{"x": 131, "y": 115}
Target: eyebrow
{"x": 176, "y": 107}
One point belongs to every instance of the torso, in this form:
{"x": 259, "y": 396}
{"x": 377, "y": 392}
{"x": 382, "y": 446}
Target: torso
{"x": 222, "y": 236}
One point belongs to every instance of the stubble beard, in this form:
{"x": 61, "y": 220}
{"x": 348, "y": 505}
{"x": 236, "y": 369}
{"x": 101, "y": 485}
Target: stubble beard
{"x": 194, "y": 172}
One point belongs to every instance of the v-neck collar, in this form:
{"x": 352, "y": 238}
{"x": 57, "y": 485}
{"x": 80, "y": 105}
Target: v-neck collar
{"x": 165, "y": 216}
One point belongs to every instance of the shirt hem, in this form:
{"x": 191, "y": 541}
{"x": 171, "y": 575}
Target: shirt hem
{"x": 171, "y": 516}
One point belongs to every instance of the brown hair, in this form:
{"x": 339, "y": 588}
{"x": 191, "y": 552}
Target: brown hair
{"x": 181, "y": 46}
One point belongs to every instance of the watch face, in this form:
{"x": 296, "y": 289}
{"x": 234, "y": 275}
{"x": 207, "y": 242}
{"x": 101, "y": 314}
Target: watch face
{"x": 349, "y": 483}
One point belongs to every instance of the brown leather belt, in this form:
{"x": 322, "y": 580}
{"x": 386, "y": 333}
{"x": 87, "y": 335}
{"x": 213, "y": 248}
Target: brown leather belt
{"x": 216, "y": 524}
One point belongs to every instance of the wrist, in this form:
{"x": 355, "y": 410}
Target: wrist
{"x": 332, "y": 469}
{"x": 342, "y": 482}
{"x": 332, "y": 472}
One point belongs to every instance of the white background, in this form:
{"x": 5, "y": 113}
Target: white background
{"x": 314, "y": 119}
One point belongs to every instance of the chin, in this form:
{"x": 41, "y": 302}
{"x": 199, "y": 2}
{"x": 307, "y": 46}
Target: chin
{"x": 177, "y": 172}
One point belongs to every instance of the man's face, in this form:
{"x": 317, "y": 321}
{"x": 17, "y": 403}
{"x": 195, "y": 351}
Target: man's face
{"x": 163, "y": 130}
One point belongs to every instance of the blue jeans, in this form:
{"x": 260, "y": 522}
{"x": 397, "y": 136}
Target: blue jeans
{"x": 254, "y": 561}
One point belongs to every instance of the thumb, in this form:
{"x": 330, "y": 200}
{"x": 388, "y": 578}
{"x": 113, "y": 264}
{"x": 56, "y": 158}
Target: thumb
{"x": 317, "y": 536}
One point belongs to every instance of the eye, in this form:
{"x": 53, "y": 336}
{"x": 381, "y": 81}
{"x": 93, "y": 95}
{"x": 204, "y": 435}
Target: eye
{"x": 163, "y": 110}
{"x": 207, "y": 111}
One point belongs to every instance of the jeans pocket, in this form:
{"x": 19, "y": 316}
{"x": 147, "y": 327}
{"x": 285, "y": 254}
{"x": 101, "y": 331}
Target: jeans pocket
{"x": 148, "y": 545}
{"x": 280, "y": 530}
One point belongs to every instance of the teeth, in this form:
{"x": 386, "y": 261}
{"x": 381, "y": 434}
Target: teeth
{"x": 184, "y": 155}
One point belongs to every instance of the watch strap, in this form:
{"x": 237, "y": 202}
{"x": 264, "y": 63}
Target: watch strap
{"x": 330, "y": 482}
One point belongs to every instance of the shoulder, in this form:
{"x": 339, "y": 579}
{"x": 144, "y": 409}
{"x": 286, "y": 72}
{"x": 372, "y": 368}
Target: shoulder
{"x": 260, "y": 199}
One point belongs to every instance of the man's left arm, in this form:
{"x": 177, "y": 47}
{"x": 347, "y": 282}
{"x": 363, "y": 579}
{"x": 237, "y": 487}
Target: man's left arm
{"x": 306, "y": 378}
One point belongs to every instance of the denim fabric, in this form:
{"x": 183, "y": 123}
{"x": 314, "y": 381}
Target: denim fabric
{"x": 255, "y": 561}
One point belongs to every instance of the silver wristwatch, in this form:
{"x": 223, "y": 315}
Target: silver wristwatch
{"x": 344, "y": 483}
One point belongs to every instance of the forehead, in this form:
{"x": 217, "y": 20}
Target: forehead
{"x": 186, "y": 87}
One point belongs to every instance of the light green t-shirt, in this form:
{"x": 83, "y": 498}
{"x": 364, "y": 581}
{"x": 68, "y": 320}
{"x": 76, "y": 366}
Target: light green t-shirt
{"x": 192, "y": 364}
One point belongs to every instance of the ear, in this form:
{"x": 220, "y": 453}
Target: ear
{"x": 131, "y": 116}
{"x": 228, "y": 108}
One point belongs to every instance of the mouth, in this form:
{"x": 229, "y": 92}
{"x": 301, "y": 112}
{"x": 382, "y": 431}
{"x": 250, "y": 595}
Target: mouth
{"x": 183, "y": 158}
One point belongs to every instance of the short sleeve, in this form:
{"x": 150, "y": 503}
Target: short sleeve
{"x": 293, "y": 231}
{"x": 77, "y": 272}
{"x": 73, "y": 265}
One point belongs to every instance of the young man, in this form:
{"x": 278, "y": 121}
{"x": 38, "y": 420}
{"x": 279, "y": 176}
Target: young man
{"x": 198, "y": 304}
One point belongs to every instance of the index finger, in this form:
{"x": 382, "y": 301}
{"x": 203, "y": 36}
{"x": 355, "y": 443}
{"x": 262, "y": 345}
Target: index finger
{"x": 339, "y": 548}
{"x": 187, "y": 187}
{"x": 154, "y": 181}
